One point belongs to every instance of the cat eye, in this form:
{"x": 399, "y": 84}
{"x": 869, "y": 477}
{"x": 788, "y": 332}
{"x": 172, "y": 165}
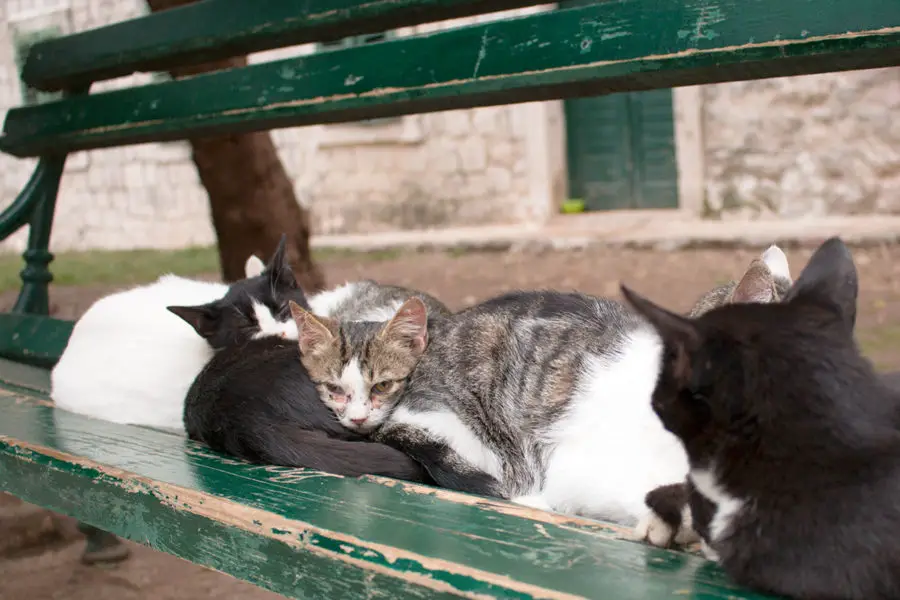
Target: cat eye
{"x": 383, "y": 387}
{"x": 334, "y": 389}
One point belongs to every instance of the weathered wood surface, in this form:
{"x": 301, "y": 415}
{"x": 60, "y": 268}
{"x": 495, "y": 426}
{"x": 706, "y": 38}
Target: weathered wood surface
{"x": 217, "y": 29}
{"x": 312, "y": 535}
{"x": 602, "y": 48}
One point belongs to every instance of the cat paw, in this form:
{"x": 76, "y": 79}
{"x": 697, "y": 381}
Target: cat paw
{"x": 686, "y": 534}
{"x": 532, "y": 501}
{"x": 655, "y": 531}
{"x": 708, "y": 552}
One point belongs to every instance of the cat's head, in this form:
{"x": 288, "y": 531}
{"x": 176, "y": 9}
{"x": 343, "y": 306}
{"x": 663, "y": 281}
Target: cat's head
{"x": 253, "y": 307}
{"x": 360, "y": 368}
{"x": 764, "y": 382}
{"x": 767, "y": 279}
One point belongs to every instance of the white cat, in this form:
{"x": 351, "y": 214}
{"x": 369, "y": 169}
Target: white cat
{"x": 133, "y": 355}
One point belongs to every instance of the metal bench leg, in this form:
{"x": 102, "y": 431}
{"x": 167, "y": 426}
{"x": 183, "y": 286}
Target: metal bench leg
{"x": 35, "y": 206}
{"x": 102, "y": 546}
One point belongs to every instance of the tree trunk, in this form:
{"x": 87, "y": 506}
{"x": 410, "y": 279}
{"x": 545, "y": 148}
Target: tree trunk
{"x": 251, "y": 197}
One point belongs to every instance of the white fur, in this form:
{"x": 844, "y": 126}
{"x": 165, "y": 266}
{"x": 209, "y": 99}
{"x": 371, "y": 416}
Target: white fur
{"x": 727, "y": 506}
{"x": 775, "y": 259}
{"x": 270, "y": 326}
{"x": 381, "y": 313}
{"x": 354, "y": 384}
{"x": 708, "y": 552}
{"x": 129, "y": 360}
{"x": 324, "y": 303}
{"x": 652, "y": 529}
{"x": 446, "y": 426}
{"x": 610, "y": 449}
{"x": 254, "y": 266}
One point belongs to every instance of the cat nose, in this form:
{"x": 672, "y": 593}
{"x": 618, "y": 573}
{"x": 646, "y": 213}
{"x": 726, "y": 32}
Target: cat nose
{"x": 359, "y": 421}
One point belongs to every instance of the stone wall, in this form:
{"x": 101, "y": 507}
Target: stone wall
{"x": 790, "y": 147}
{"x": 413, "y": 172}
{"x": 803, "y": 146}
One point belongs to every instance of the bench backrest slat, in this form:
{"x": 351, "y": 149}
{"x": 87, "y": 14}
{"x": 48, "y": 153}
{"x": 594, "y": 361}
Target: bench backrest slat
{"x": 602, "y": 48}
{"x": 216, "y": 29}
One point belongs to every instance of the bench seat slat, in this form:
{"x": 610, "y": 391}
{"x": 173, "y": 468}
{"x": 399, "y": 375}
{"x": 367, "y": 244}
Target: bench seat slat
{"x": 312, "y": 535}
{"x": 216, "y": 29}
{"x": 608, "y": 47}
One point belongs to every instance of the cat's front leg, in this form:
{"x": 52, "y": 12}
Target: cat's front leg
{"x": 445, "y": 465}
{"x": 668, "y": 520}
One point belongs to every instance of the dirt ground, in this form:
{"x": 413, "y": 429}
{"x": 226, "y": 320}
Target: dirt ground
{"x": 39, "y": 555}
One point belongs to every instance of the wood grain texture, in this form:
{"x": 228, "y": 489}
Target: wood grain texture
{"x": 313, "y": 535}
{"x": 601, "y": 48}
{"x": 217, "y": 29}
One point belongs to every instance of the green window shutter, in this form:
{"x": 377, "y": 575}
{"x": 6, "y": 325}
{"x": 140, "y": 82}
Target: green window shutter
{"x": 653, "y": 133}
{"x": 621, "y": 150}
{"x": 598, "y": 141}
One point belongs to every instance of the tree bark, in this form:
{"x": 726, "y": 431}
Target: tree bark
{"x": 251, "y": 197}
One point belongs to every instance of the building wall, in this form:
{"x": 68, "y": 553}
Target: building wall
{"x": 803, "y": 146}
{"x": 419, "y": 171}
{"x": 787, "y": 147}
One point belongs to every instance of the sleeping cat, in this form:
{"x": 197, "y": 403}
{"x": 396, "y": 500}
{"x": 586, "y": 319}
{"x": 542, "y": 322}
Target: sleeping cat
{"x": 131, "y": 361}
{"x": 257, "y": 402}
{"x": 793, "y": 440}
{"x": 521, "y": 396}
{"x": 251, "y": 308}
{"x": 360, "y": 367}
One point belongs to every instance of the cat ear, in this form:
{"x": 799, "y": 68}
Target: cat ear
{"x": 409, "y": 325}
{"x": 756, "y": 286}
{"x": 313, "y": 333}
{"x": 775, "y": 258}
{"x": 678, "y": 333}
{"x": 254, "y": 266}
{"x": 829, "y": 277}
{"x": 281, "y": 275}
{"x": 203, "y": 318}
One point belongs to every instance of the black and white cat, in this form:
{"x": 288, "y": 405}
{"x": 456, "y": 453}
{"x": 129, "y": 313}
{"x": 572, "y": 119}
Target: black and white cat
{"x": 792, "y": 438}
{"x": 130, "y": 360}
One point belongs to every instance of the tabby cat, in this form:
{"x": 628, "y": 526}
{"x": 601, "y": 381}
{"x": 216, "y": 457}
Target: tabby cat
{"x": 521, "y": 396}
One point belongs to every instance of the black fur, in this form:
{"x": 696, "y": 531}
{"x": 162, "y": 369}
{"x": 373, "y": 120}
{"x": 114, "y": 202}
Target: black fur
{"x": 256, "y": 402}
{"x": 231, "y": 320}
{"x": 668, "y": 501}
{"x": 776, "y": 402}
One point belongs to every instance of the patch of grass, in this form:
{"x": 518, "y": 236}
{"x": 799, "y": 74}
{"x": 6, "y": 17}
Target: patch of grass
{"x": 131, "y": 267}
{"x": 115, "y": 267}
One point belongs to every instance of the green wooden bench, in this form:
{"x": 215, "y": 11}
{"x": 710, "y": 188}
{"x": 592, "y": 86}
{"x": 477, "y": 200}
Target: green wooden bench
{"x": 306, "y": 534}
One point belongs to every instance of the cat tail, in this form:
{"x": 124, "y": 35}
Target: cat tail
{"x": 295, "y": 447}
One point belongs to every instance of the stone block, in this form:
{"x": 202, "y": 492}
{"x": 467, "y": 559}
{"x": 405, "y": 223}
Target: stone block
{"x": 473, "y": 154}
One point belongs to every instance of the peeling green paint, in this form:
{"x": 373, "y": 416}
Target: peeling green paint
{"x": 322, "y": 536}
{"x": 657, "y": 45}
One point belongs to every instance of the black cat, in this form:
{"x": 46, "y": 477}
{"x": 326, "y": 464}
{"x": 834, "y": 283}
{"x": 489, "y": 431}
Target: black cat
{"x": 793, "y": 439}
